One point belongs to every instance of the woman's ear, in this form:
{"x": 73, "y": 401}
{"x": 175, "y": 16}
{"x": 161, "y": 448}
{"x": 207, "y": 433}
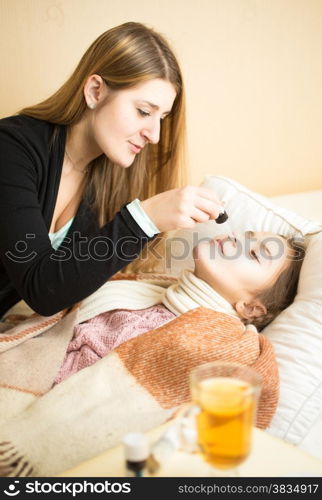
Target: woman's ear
{"x": 250, "y": 310}
{"x": 95, "y": 90}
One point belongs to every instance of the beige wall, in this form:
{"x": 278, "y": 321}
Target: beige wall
{"x": 253, "y": 72}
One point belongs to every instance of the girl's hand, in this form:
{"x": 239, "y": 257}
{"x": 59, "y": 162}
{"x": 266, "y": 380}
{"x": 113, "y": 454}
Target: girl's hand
{"x": 182, "y": 208}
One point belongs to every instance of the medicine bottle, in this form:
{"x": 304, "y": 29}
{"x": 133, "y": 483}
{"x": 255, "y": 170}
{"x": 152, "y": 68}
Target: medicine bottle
{"x": 136, "y": 450}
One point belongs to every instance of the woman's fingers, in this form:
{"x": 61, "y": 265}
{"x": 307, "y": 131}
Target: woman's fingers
{"x": 182, "y": 207}
{"x": 199, "y": 215}
{"x": 206, "y": 200}
{"x": 208, "y": 194}
{"x": 212, "y": 209}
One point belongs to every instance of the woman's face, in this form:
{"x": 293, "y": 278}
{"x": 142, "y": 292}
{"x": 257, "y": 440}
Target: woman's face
{"x": 240, "y": 266}
{"x": 130, "y": 119}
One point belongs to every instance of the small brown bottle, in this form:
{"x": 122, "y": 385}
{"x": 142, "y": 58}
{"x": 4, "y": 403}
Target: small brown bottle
{"x": 136, "y": 450}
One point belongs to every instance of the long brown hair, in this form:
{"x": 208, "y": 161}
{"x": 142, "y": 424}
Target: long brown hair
{"x": 125, "y": 56}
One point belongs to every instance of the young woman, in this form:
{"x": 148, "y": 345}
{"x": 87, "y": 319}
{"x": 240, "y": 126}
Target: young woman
{"x": 74, "y": 168}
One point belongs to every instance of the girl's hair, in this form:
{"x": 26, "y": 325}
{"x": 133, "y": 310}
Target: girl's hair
{"x": 125, "y": 56}
{"x": 283, "y": 292}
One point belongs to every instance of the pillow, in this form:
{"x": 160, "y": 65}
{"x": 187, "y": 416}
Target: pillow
{"x": 296, "y": 333}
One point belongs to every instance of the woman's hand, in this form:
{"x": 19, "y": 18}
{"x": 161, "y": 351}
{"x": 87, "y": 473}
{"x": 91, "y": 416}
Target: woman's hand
{"x": 182, "y": 207}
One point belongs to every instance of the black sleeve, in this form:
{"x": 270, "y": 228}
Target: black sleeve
{"x": 50, "y": 280}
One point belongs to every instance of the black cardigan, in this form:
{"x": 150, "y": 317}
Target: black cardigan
{"x": 30, "y": 269}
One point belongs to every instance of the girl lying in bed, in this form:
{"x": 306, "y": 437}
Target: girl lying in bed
{"x": 252, "y": 276}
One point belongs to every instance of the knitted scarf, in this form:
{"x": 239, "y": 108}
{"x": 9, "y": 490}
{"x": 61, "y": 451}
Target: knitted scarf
{"x": 187, "y": 293}
{"x": 191, "y": 292}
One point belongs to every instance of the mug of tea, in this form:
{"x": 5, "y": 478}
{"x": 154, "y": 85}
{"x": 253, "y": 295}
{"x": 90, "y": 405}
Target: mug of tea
{"x": 224, "y": 399}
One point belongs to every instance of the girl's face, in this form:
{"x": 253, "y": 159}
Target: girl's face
{"x": 240, "y": 266}
{"x": 130, "y": 119}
